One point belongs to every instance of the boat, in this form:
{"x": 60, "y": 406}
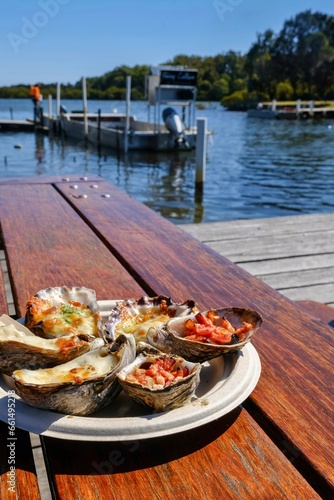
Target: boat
{"x": 167, "y": 87}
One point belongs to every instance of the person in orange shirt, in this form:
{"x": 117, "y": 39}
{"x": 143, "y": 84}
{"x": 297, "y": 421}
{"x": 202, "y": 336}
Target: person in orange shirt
{"x": 36, "y": 97}
{"x": 35, "y": 93}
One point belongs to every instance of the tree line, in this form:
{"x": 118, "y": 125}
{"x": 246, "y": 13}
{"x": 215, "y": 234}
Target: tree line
{"x": 296, "y": 63}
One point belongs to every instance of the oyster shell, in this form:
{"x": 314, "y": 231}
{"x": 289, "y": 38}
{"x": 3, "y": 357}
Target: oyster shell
{"x": 160, "y": 381}
{"x": 171, "y": 338}
{"x": 137, "y": 316}
{"x": 81, "y": 386}
{"x": 59, "y": 311}
{"x": 20, "y": 348}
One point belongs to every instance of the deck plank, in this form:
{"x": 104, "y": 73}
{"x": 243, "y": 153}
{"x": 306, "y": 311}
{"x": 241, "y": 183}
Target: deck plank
{"x": 275, "y": 246}
{"x": 246, "y": 228}
{"x": 292, "y": 254}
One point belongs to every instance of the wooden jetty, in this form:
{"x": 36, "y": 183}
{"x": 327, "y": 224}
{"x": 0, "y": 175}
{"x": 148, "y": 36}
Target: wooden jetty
{"x": 305, "y": 113}
{"x": 292, "y": 254}
{"x": 287, "y": 110}
{"x": 293, "y": 113}
{"x": 16, "y": 125}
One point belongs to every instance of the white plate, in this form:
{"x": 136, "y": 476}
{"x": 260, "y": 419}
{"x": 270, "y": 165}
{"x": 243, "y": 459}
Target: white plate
{"x": 225, "y": 383}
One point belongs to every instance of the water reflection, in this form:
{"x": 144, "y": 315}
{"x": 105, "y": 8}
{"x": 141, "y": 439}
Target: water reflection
{"x": 39, "y": 144}
{"x": 255, "y": 168}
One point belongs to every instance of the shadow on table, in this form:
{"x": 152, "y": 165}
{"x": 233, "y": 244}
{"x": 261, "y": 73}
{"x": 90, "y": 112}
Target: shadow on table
{"x": 78, "y": 458}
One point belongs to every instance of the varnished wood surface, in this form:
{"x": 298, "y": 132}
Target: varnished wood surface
{"x": 291, "y": 367}
{"x": 318, "y": 310}
{"x": 3, "y": 300}
{"x": 33, "y": 218}
{"x": 71, "y": 179}
{"x": 230, "y": 457}
{"x": 153, "y": 256}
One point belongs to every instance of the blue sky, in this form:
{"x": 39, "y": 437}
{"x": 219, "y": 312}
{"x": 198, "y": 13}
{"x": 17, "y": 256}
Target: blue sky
{"x": 63, "y": 40}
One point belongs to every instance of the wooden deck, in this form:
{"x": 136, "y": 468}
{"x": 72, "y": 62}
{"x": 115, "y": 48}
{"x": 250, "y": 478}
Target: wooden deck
{"x": 294, "y": 254}
{"x": 16, "y": 125}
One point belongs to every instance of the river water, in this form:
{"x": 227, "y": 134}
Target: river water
{"x": 255, "y": 168}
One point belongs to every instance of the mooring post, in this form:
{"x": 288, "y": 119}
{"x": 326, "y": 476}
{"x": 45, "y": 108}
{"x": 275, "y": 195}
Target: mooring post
{"x": 58, "y": 109}
{"x": 99, "y": 129}
{"x": 50, "y": 112}
{"x": 127, "y": 117}
{"x": 84, "y": 98}
{"x": 298, "y": 104}
{"x": 58, "y": 100}
{"x": 200, "y": 152}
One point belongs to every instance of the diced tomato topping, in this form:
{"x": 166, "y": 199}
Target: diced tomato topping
{"x": 161, "y": 372}
{"x": 190, "y": 323}
{"x": 227, "y": 325}
{"x": 203, "y": 320}
{"x": 210, "y": 328}
{"x": 242, "y": 332}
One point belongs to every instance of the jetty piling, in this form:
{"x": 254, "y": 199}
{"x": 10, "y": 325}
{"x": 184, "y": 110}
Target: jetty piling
{"x": 84, "y": 98}
{"x": 201, "y": 152}
{"x": 58, "y": 100}
{"x": 50, "y": 107}
{"x": 127, "y": 113}
{"x": 57, "y": 121}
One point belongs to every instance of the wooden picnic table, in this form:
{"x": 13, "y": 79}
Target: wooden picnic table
{"x": 277, "y": 444}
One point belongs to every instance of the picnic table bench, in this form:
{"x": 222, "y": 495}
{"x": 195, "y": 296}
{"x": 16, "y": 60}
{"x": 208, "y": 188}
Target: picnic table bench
{"x": 277, "y": 444}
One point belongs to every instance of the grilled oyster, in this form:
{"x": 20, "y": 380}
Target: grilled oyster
{"x": 20, "y": 348}
{"x": 160, "y": 381}
{"x": 205, "y": 335}
{"x": 137, "y": 316}
{"x": 59, "y": 311}
{"x": 81, "y": 386}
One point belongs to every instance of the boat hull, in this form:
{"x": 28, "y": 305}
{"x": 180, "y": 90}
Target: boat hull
{"x": 141, "y": 136}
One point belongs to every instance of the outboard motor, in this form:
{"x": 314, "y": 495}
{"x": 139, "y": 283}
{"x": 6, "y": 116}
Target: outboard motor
{"x": 175, "y": 126}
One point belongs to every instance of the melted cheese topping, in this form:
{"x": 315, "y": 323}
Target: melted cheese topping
{"x": 139, "y": 325}
{"x": 10, "y": 333}
{"x": 62, "y": 319}
{"x": 85, "y": 367}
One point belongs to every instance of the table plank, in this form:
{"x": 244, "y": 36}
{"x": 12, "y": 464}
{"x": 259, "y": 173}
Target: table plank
{"x": 321, "y": 311}
{"x": 72, "y": 179}
{"x": 195, "y": 464}
{"x": 297, "y": 380}
{"x": 3, "y": 300}
{"x": 48, "y": 244}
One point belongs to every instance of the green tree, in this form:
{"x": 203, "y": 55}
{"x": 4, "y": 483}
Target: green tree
{"x": 284, "y": 91}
